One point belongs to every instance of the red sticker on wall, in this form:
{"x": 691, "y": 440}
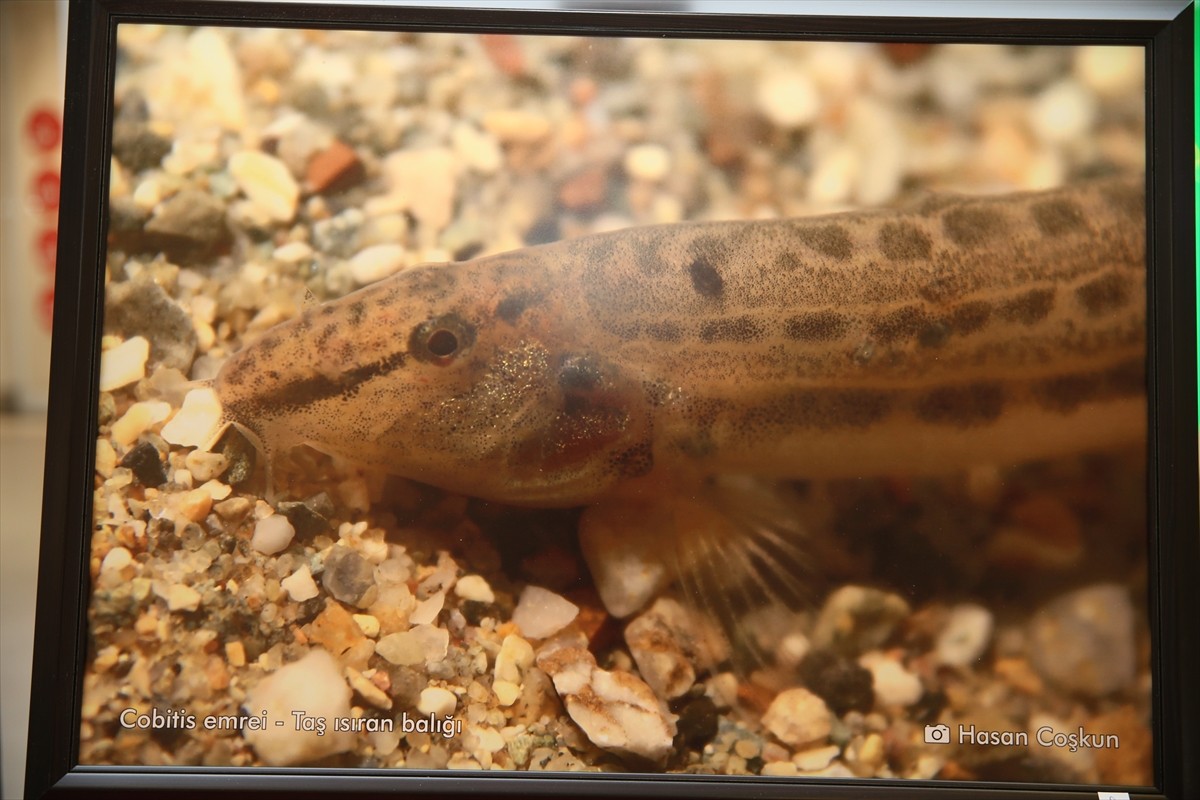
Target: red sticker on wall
{"x": 45, "y": 190}
{"x": 44, "y": 129}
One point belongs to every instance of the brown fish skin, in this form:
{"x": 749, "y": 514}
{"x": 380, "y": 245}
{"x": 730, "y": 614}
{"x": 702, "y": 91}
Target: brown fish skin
{"x": 964, "y": 330}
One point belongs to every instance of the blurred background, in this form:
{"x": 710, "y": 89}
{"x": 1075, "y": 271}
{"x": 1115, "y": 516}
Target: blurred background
{"x": 32, "y": 62}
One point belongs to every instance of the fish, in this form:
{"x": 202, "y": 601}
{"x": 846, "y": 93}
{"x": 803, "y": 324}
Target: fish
{"x": 659, "y": 375}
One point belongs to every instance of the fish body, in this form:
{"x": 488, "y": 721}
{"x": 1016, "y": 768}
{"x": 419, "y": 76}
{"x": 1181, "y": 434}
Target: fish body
{"x": 958, "y": 331}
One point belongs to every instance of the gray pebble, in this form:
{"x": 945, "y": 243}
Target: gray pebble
{"x": 188, "y": 227}
{"x": 348, "y": 576}
{"x": 141, "y": 308}
{"x": 1084, "y": 641}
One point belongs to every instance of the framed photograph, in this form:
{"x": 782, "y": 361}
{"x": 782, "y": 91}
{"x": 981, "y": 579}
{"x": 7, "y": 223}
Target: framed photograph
{"x": 698, "y": 400}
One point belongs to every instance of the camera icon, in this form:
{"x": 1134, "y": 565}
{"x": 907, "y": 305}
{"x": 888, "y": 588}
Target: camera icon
{"x": 937, "y": 734}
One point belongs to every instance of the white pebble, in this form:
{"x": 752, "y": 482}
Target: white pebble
{"x": 475, "y": 588}
{"x": 816, "y": 758}
{"x": 541, "y": 613}
{"x": 798, "y": 717}
{"x": 206, "y": 466}
{"x": 1062, "y": 112}
{"x": 292, "y": 252}
{"x": 376, "y": 263}
{"x": 313, "y": 686}
{"x": 478, "y": 149}
{"x": 272, "y": 535}
{"x": 139, "y": 418}
{"x": 368, "y": 624}
{"x": 426, "y": 611}
{"x": 215, "y": 91}
{"x": 1110, "y": 71}
{"x": 965, "y": 637}
{"x": 124, "y": 364}
{"x": 506, "y": 692}
{"x": 115, "y": 560}
{"x": 267, "y": 182}
{"x": 106, "y": 458}
{"x": 515, "y": 656}
{"x": 616, "y": 710}
{"x": 300, "y": 585}
{"x": 197, "y": 420}
{"x": 436, "y": 700}
{"x": 894, "y": 685}
{"x": 182, "y": 598}
{"x": 788, "y": 99}
{"x": 834, "y": 177}
{"x": 648, "y": 162}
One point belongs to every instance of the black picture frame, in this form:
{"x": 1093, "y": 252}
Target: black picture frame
{"x": 1164, "y": 29}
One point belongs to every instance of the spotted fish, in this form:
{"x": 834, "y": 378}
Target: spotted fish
{"x": 627, "y": 371}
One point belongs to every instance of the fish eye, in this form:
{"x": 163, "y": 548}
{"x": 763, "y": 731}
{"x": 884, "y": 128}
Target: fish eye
{"x": 442, "y": 343}
{"x": 442, "y": 339}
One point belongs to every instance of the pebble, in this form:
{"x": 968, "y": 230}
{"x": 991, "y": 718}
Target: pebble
{"x": 145, "y": 463}
{"x": 115, "y": 560}
{"x": 189, "y": 227}
{"x": 966, "y": 636}
{"x": 648, "y": 162}
{"x": 839, "y": 681}
{"x": 142, "y": 308}
{"x": 367, "y": 623}
{"x": 367, "y": 690}
{"x": 420, "y": 644}
{"x": 124, "y": 364}
{"x": 515, "y": 656}
{"x": 197, "y": 420}
{"x": 137, "y": 146}
{"x": 300, "y": 585}
{"x": 616, "y": 710}
{"x": 517, "y": 125}
{"x": 438, "y": 701}
{"x": 474, "y": 588}
{"x": 626, "y": 565}
{"x": 798, "y": 717}
{"x": 541, "y": 613}
{"x": 292, "y": 252}
{"x": 272, "y": 534}
{"x": 426, "y": 611}
{"x": 1063, "y": 112}
{"x": 217, "y": 87}
{"x": 334, "y": 169}
{"x": 1110, "y": 71}
{"x": 855, "y": 619}
{"x": 138, "y": 419}
{"x": 313, "y": 686}
{"x": 816, "y": 758}
{"x": 348, "y": 576}
{"x": 205, "y": 466}
{"x": 666, "y": 641}
{"x": 478, "y": 149}
{"x": 788, "y": 99}
{"x": 894, "y": 686}
{"x": 182, "y": 598}
{"x": 196, "y": 504}
{"x": 1084, "y": 641}
{"x": 377, "y": 262}
{"x": 106, "y": 459}
{"x": 423, "y": 181}
{"x": 268, "y": 184}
